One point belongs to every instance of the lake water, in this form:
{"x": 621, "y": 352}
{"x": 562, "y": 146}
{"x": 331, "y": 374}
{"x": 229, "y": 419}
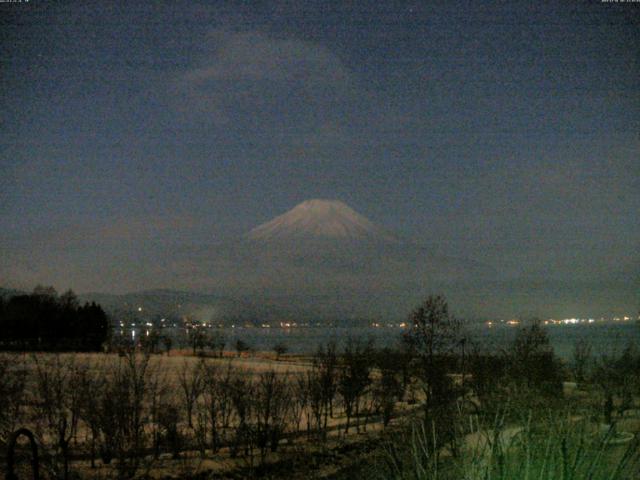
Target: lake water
{"x": 605, "y": 338}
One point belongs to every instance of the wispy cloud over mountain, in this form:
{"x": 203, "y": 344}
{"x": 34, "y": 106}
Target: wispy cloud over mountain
{"x": 255, "y": 74}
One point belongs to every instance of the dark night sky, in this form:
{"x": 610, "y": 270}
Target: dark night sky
{"x": 504, "y": 132}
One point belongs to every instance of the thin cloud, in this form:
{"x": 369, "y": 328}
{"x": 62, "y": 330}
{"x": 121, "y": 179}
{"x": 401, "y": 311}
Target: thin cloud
{"x": 253, "y": 74}
{"x": 255, "y": 56}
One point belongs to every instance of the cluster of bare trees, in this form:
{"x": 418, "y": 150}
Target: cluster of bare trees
{"x": 12, "y": 392}
{"x": 128, "y": 410}
{"x": 95, "y": 408}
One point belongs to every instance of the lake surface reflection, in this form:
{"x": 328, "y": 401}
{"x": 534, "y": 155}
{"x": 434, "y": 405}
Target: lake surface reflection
{"x": 604, "y": 338}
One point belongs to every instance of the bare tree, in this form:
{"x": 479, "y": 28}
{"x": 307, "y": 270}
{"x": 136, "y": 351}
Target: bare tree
{"x": 217, "y": 343}
{"x": 241, "y": 393}
{"x": 214, "y": 402}
{"x": 169, "y": 418}
{"x": 13, "y": 378}
{"x": 241, "y": 347}
{"x": 388, "y": 389}
{"x": 91, "y": 387}
{"x": 617, "y": 377}
{"x": 318, "y": 407}
{"x": 487, "y": 380}
{"x": 151, "y": 341}
{"x": 532, "y": 362}
{"x": 279, "y": 349}
{"x": 123, "y": 412}
{"x": 159, "y": 396}
{"x": 58, "y": 401}
{"x": 354, "y": 377}
{"x": 270, "y": 410}
{"x": 167, "y": 342}
{"x": 198, "y": 339}
{"x": 325, "y": 363}
{"x": 433, "y": 336}
{"x": 225, "y": 405}
{"x": 300, "y": 400}
{"x": 191, "y": 383}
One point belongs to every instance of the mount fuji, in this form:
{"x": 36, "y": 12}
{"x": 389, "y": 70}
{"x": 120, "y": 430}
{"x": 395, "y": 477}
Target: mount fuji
{"x": 319, "y": 219}
{"x": 322, "y": 259}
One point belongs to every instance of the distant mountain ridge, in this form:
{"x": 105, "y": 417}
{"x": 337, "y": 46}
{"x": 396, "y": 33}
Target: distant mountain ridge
{"x": 180, "y": 304}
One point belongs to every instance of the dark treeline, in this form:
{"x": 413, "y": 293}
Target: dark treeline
{"x": 46, "y": 321}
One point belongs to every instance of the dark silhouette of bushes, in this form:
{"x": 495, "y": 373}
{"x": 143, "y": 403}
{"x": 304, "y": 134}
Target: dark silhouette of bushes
{"x": 436, "y": 342}
{"x": 433, "y": 338}
{"x": 533, "y": 364}
{"x": 618, "y": 379}
{"x": 393, "y": 378}
{"x": 44, "y": 321}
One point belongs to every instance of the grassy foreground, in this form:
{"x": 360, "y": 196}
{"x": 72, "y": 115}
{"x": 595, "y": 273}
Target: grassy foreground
{"x": 545, "y": 446}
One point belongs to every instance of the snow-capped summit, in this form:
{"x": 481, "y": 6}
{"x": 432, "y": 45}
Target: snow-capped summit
{"x": 317, "y": 218}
